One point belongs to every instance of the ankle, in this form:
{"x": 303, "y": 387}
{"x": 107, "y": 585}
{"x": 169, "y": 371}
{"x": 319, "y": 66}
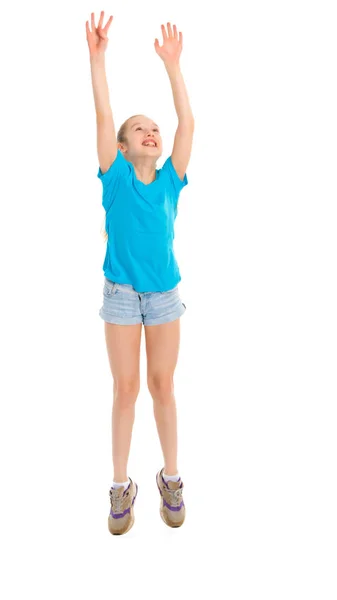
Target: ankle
{"x": 121, "y": 479}
{"x": 170, "y": 472}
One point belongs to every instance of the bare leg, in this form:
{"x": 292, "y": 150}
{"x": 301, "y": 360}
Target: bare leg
{"x": 162, "y": 347}
{"x": 123, "y": 346}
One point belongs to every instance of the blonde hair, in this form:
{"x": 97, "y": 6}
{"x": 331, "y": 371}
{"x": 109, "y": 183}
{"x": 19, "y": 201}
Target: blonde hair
{"x": 121, "y": 139}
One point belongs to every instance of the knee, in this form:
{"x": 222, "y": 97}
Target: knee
{"x": 126, "y": 392}
{"x": 161, "y": 388}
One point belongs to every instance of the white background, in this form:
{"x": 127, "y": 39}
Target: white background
{"x": 256, "y": 247}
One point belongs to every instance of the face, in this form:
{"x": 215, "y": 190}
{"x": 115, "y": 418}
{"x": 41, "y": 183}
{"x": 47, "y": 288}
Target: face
{"x": 140, "y": 131}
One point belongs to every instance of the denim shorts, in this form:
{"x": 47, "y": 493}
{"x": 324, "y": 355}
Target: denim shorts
{"x": 123, "y": 305}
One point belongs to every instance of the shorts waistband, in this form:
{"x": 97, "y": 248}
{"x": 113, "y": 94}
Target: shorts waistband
{"x": 127, "y": 287}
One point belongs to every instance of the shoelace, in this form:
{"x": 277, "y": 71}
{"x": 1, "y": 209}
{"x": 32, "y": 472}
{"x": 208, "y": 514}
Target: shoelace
{"x": 175, "y": 496}
{"x": 116, "y": 500}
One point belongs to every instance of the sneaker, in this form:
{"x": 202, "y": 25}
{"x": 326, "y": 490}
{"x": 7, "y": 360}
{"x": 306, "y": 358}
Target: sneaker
{"x": 172, "y": 507}
{"x": 121, "y": 517}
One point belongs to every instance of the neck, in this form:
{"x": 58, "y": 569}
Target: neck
{"x": 145, "y": 169}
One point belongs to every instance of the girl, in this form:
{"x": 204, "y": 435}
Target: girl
{"x": 140, "y": 269}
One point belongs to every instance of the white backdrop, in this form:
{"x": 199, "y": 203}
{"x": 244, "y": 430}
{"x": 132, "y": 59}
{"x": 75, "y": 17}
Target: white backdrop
{"x": 255, "y": 241}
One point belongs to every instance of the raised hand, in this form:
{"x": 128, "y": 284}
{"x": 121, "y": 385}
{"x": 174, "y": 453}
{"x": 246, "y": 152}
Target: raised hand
{"x": 97, "y": 38}
{"x": 172, "y": 46}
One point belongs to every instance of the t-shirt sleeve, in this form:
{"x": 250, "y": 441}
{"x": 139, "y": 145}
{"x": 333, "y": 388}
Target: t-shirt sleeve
{"x": 176, "y": 182}
{"x": 111, "y": 179}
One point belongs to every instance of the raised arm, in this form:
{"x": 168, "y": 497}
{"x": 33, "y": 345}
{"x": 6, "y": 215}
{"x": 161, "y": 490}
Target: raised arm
{"x": 170, "y": 52}
{"x": 106, "y": 136}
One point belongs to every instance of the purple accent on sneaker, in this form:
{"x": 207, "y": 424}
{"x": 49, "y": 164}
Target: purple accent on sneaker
{"x": 176, "y": 508}
{"x": 119, "y": 515}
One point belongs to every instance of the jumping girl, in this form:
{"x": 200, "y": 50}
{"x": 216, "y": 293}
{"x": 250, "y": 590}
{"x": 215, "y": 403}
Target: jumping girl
{"x": 141, "y": 274}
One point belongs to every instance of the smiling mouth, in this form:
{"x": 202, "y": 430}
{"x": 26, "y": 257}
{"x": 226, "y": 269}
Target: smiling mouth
{"x": 150, "y": 144}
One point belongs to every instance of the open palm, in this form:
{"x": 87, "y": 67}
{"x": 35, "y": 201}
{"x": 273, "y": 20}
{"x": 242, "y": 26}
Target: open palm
{"x": 172, "y": 46}
{"x": 97, "y": 38}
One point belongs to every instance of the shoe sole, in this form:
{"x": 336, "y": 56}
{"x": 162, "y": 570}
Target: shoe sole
{"x": 132, "y": 520}
{"x": 162, "y": 512}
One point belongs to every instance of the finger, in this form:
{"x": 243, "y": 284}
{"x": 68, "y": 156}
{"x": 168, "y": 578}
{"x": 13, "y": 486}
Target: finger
{"x": 93, "y": 27}
{"x": 163, "y": 30}
{"x": 175, "y": 32}
{"x": 108, "y": 24}
{"x": 102, "y": 34}
{"x": 169, "y": 29}
{"x": 100, "y": 22}
{"x": 180, "y": 38}
{"x": 87, "y": 28}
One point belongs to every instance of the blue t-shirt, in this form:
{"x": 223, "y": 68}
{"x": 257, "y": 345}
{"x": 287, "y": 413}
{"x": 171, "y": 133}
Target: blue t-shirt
{"x": 140, "y": 226}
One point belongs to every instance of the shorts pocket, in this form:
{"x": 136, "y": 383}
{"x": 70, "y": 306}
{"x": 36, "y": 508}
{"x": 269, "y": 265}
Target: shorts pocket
{"x": 110, "y": 289}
